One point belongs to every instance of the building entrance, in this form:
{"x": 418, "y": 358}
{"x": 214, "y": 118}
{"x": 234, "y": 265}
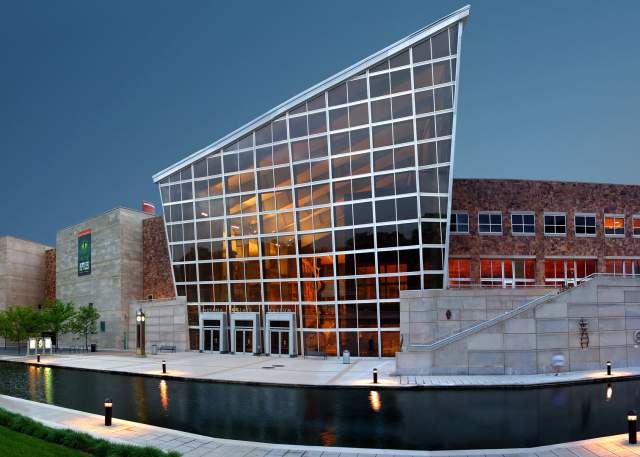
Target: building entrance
{"x": 213, "y": 332}
{"x": 244, "y": 337}
{"x": 279, "y": 337}
{"x": 211, "y": 338}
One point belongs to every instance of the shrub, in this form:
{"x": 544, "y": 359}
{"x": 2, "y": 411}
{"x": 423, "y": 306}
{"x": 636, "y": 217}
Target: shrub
{"x": 76, "y": 440}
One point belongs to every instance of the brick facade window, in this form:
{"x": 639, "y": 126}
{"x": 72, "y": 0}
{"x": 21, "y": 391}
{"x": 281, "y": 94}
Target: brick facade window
{"x": 585, "y": 224}
{"x": 555, "y": 224}
{"x": 636, "y": 225}
{"x": 523, "y": 223}
{"x": 507, "y": 272}
{"x": 567, "y": 272}
{"x": 459, "y": 222}
{"x": 614, "y": 224}
{"x": 459, "y": 272}
{"x": 490, "y": 222}
{"x": 624, "y": 267}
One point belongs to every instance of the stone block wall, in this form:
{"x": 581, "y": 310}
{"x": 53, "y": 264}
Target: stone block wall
{"x": 116, "y": 270}
{"x": 165, "y": 323}
{"x": 475, "y": 195}
{"x": 22, "y": 272}
{"x": 157, "y": 275}
{"x": 525, "y": 342}
{"x": 423, "y": 313}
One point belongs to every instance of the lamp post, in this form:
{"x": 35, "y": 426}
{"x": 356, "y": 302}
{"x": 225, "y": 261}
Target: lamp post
{"x": 164, "y": 367}
{"x": 38, "y": 358}
{"x": 608, "y": 367}
{"x": 632, "y": 422}
{"x": 140, "y": 339}
{"x": 108, "y": 412}
{"x": 375, "y": 376}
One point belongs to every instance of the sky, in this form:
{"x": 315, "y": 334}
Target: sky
{"x": 96, "y": 97}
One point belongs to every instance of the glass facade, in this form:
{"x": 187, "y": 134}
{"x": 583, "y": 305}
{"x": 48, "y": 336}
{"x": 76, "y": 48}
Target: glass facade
{"x": 330, "y": 209}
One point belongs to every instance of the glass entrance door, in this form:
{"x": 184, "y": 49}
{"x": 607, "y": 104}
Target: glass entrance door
{"x": 211, "y": 336}
{"x": 244, "y": 337}
{"x": 279, "y": 337}
{"x": 279, "y": 342}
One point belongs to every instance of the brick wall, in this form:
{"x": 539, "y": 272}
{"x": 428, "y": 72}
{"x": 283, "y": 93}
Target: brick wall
{"x": 158, "y": 280}
{"x": 474, "y": 195}
{"x": 50, "y": 274}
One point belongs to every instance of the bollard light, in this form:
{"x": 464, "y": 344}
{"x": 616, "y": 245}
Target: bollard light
{"x": 632, "y": 422}
{"x": 38, "y": 358}
{"x": 375, "y": 376}
{"x": 108, "y": 412}
{"x": 164, "y": 367}
{"x": 608, "y": 367}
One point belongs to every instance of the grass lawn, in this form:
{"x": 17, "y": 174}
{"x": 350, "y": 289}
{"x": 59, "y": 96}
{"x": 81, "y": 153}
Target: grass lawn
{"x": 14, "y": 444}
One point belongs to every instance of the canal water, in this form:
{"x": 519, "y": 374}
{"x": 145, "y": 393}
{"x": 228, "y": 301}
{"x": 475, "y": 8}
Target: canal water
{"x": 434, "y": 419}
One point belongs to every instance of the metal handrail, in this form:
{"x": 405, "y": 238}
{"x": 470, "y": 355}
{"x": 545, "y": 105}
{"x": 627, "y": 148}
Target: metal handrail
{"x": 525, "y": 285}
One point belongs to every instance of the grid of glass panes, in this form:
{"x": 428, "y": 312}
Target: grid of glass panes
{"x": 330, "y": 210}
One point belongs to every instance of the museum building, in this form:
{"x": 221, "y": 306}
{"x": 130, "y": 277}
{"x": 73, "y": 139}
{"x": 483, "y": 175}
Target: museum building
{"x": 298, "y": 233}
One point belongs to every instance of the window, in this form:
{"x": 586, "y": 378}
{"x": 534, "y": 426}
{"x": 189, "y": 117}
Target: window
{"x": 555, "y": 224}
{"x": 585, "y": 224}
{"x": 567, "y": 272}
{"x": 636, "y": 225}
{"x": 507, "y": 273}
{"x": 490, "y": 222}
{"x": 523, "y": 223}
{"x": 614, "y": 225}
{"x": 625, "y": 267}
{"x": 459, "y": 272}
{"x": 459, "y": 222}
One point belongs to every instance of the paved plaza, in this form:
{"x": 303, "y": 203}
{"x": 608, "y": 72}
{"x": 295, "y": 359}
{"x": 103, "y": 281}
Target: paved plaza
{"x": 297, "y": 371}
{"x": 191, "y": 445}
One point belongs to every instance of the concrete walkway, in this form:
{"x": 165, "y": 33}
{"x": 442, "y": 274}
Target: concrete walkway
{"x": 191, "y": 445}
{"x": 298, "y": 371}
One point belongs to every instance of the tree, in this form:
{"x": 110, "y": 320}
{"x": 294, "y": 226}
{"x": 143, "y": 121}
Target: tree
{"x": 84, "y": 322}
{"x": 57, "y": 317}
{"x": 22, "y": 322}
{"x": 4, "y": 326}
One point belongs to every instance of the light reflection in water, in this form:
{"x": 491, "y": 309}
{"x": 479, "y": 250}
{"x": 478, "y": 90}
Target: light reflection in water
{"x": 164, "y": 395}
{"x": 32, "y": 372}
{"x": 375, "y": 401}
{"x": 139, "y": 397}
{"x": 609, "y": 392}
{"x": 48, "y": 385}
{"x": 328, "y": 436}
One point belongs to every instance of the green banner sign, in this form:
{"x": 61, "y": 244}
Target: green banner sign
{"x": 84, "y": 252}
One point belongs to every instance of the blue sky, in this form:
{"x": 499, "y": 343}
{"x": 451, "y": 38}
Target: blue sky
{"x": 95, "y": 97}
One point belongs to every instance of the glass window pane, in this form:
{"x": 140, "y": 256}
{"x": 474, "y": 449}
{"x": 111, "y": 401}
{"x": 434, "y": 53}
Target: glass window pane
{"x": 400, "y": 80}
{"x": 440, "y": 44}
{"x": 338, "y": 119}
{"x": 357, "y": 89}
{"x": 422, "y": 51}
{"x": 381, "y": 110}
{"x": 422, "y": 76}
{"x": 379, "y": 85}
{"x": 338, "y": 95}
{"x": 358, "y": 114}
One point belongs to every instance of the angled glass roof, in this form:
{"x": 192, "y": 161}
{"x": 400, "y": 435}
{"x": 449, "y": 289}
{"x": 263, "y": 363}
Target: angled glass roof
{"x": 339, "y": 77}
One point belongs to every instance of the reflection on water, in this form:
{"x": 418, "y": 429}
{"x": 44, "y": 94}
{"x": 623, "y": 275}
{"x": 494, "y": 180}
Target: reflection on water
{"x": 328, "y": 436}
{"x": 411, "y": 418}
{"x": 140, "y": 397}
{"x": 164, "y": 396}
{"x": 374, "y": 399}
{"x": 48, "y": 384}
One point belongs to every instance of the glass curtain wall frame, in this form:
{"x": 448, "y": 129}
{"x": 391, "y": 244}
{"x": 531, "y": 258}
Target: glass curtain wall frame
{"x": 360, "y": 175}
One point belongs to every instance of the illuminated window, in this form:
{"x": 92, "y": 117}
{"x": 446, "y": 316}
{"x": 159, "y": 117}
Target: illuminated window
{"x": 490, "y": 222}
{"x": 614, "y": 224}
{"x": 567, "y": 272}
{"x": 585, "y": 224}
{"x": 624, "y": 267}
{"x": 507, "y": 273}
{"x": 523, "y": 223}
{"x": 636, "y": 225}
{"x": 459, "y": 222}
{"x": 555, "y": 224}
{"x": 459, "y": 272}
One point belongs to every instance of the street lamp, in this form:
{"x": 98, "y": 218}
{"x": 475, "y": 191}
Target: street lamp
{"x": 608, "y": 367}
{"x": 375, "y": 376}
{"x": 164, "y": 367}
{"x": 140, "y": 338}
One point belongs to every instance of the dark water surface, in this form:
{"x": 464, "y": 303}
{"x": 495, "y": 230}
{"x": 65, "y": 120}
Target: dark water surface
{"x": 395, "y": 419}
